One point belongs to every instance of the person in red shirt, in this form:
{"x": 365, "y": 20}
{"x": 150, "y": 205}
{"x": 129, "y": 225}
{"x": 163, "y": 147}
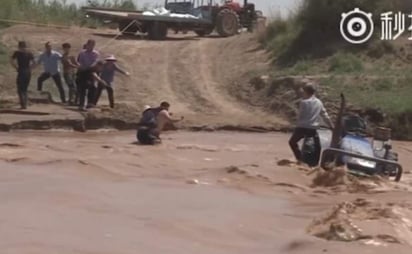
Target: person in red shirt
{"x": 233, "y": 5}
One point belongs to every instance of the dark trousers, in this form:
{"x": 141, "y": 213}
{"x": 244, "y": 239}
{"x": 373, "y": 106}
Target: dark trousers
{"x": 86, "y": 89}
{"x": 23, "y": 81}
{"x": 69, "y": 79}
{"x": 298, "y": 135}
{"x": 110, "y": 93}
{"x": 57, "y": 80}
{"x": 145, "y": 136}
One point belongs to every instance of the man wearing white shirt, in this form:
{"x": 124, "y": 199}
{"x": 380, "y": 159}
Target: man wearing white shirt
{"x": 50, "y": 60}
{"x": 311, "y": 110}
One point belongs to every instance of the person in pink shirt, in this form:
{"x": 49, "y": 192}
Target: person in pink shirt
{"x": 87, "y": 58}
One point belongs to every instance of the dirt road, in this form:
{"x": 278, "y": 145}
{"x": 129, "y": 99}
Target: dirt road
{"x": 205, "y": 193}
{"x": 195, "y": 75}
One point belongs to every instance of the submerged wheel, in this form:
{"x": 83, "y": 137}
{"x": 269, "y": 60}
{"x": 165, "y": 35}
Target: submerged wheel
{"x": 393, "y": 171}
{"x": 390, "y": 170}
{"x": 157, "y": 31}
{"x": 398, "y": 175}
{"x": 227, "y": 23}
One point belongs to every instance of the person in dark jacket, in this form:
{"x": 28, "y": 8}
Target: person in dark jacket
{"x": 87, "y": 79}
{"x": 23, "y": 61}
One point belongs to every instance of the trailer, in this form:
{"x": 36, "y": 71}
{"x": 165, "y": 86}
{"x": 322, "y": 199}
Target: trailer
{"x": 200, "y": 16}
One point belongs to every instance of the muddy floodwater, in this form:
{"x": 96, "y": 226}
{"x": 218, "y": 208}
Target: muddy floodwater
{"x": 100, "y": 193}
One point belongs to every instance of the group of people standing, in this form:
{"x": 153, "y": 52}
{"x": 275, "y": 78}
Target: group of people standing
{"x": 86, "y": 76}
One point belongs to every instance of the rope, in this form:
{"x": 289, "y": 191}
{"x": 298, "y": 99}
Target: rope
{"x": 68, "y": 27}
{"x": 119, "y": 34}
{"x": 32, "y": 23}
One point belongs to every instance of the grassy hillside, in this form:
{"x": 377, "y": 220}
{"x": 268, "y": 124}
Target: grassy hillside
{"x": 377, "y": 75}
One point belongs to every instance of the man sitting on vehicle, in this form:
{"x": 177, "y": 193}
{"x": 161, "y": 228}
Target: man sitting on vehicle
{"x": 353, "y": 123}
{"x": 153, "y": 122}
{"x": 310, "y": 110}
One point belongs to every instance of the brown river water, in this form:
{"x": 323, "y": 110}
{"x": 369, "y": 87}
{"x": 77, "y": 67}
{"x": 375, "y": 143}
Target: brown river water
{"x": 222, "y": 192}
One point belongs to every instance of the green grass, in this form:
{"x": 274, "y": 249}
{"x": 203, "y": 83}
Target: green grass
{"x": 54, "y": 11}
{"x": 3, "y": 64}
{"x": 312, "y": 31}
{"x": 345, "y": 63}
{"x": 3, "y": 57}
{"x": 391, "y": 94}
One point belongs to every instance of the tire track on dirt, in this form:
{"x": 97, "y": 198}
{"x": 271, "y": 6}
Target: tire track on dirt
{"x": 210, "y": 82}
{"x": 150, "y": 64}
{"x": 184, "y": 77}
{"x": 192, "y": 78}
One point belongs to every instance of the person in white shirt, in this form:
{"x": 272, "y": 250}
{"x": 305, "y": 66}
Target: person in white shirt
{"x": 165, "y": 117}
{"x": 50, "y": 60}
{"x": 311, "y": 109}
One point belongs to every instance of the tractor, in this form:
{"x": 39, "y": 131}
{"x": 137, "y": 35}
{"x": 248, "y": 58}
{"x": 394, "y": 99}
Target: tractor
{"x": 350, "y": 145}
{"x": 200, "y": 16}
{"x": 227, "y": 19}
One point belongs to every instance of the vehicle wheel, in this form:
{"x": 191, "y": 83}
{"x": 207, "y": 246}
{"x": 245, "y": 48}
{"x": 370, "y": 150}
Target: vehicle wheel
{"x": 204, "y": 32}
{"x": 326, "y": 160}
{"x": 398, "y": 175}
{"x": 253, "y": 23}
{"x": 393, "y": 171}
{"x": 227, "y": 23}
{"x": 157, "y": 31}
{"x": 131, "y": 29}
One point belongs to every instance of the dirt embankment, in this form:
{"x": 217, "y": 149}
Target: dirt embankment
{"x": 199, "y": 77}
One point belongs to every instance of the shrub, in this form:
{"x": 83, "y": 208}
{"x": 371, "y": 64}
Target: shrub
{"x": 54, "y": 11}
{"x": 313, "y": 31}
{"x": 3, "y": 55}
{"x": 345, "y": 63}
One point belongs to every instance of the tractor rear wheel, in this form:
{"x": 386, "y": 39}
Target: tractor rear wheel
{"x": 227, "y": 23}
{"x": 157, "y": 31}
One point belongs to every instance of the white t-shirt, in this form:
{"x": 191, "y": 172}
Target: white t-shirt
{"x": 310, "y": 112}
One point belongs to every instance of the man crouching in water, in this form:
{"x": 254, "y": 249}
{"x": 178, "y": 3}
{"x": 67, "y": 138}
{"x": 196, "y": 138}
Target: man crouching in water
{"x": 310, "y": 110}
{"x": 153, "y": 122}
